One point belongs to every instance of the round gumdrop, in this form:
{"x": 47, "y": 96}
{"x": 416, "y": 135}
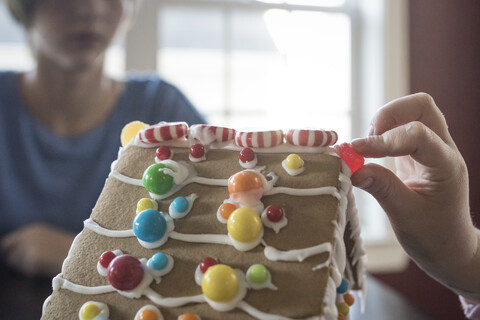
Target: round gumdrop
{"x": 343, "y": 308}
{"x": 244, "y": 181}
{"x": 343, "y": 287}
{"x": 246, "y": 155}
{"x": 188, "y": 316}
{"x": 125, "y": 272}
{"x": 146, "y": 203}
{"x": 220, "y": 283}
{"x": 130, "y": 130}
{"x": 149, "y": 225}
{"x": 159, "y": 261}
{"x": 180, "y": 204}
{"x": 257, "y": 274}
{"x": 275, "y": 213}
{"x": 353, "y": 160}
{"x": 197, "y": 150}
{"x": 244, "y": 225}
{"x": 163, "y": 153}
{"x": 226, "y": 210}
{"x": 106, "y": 258}
{"x": 156, "y": 181}
{"x": 207, "y": 263}
{"x": 90, "y": 311}
{"x": 293, "y": 161}
{"x": 148, "y": 314}
{"x": 349, "y": 299}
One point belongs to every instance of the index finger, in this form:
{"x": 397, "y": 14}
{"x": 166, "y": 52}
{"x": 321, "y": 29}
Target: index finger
{"x": 416, "y": 107}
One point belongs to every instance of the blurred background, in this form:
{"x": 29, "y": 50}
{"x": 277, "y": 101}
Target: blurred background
{"x": 318, "y": 63}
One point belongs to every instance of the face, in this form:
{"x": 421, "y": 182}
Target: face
{"x": 74, "y": 34}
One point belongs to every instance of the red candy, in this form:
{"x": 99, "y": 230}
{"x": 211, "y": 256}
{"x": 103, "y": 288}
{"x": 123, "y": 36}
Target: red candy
{"x": 207, "y": 263}
{"x": 163, "y": 153}
{"x": 106, "y": 258}
{"x": 246, "y": 155}
{"x": 353, "y": 160}
{"x": 125, "y": 272}
{"x": 197, "y": 150}
{"x": 275, "y": 213}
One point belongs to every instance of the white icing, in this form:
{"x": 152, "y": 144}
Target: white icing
{"x": 292, "y": 172}
{"x": 246, "y": 246}
{"x": 202, "y": 158}
{"x": 171, "y": 302}
{"x": 59, "y": 283}
{"x": 95, "y": 227}
{"x": 149, "y": 307}
{"x": 332, "y": 191}
{"x": 198, "y": 275}
{"x": 249, "y": 164}
{"x": 117, "y": 175}
{"x": 178, "y": 215}
{"x": 104, "y": 312}
{"x": 297, "y": 254}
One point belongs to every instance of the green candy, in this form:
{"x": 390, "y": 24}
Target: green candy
{"x": 156, "y": 181}
{"x": 257, "y": 274}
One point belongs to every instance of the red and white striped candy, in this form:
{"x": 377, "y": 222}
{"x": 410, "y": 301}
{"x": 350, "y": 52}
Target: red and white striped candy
{"x": 259, "y": 139}
{"x": 311, "y": 137}
{"x": 207, "y": 134}
{"x": 163, "y": 131}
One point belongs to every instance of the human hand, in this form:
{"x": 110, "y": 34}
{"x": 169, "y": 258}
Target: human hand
{"x": 427, "y": 202}
{"x": 37, "y": 249}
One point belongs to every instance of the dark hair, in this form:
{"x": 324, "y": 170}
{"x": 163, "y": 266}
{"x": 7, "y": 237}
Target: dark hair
{"x": 22, "y": 10}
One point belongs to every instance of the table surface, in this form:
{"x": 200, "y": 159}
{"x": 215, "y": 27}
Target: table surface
{"x": 22, "y": 298}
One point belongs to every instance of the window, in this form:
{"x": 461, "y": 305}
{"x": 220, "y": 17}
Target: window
{"x": 257, "y": 63}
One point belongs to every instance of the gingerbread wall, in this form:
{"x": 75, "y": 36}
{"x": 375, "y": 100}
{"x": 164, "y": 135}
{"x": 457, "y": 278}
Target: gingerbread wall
{"x": 445, "y": 62}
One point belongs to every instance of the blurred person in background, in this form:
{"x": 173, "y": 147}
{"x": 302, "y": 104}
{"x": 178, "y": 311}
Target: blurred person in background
{"x": 60, "y": 125}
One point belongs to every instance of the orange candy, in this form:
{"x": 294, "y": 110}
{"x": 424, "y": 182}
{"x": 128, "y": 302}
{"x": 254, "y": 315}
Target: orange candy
{"x": 348, "y": 298}
{"x": 244, "y": 181}
{"x": 148, "y": 314}
{"x": 188, "y": 316}
{"x": 226, "y": 209}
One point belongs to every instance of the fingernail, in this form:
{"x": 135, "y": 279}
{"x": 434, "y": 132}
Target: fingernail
{"x": 365, "y": 184}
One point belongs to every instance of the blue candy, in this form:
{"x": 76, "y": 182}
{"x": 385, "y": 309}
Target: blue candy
{"x": 343, "y": 287}
{"x": 180, "y": 204}
{"x": 159, "y": 261}
{"x": 149, "y": 225}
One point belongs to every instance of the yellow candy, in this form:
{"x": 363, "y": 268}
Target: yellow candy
{"x": 130, "y": 130}
{"x": 220, "y": 283}
{"x": 90, "y": 311}
{"x": 244, "y": 225}
{"x": 145, "y": 203}
{"x": 294, "y": 162}
{"x": 343, "y": 308}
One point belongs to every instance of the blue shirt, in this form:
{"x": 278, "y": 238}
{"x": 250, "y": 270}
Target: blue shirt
{"x": 56, "y": 179}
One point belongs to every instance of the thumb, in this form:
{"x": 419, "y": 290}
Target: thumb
{"x": 390, "y": 192}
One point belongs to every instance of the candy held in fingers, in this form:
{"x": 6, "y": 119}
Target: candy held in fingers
{"x": 353, "y": 160}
